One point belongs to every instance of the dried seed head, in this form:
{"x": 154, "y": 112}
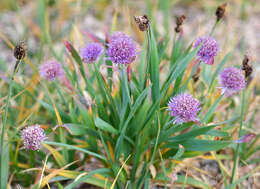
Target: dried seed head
{"x": 179, "y": 22}
{"x": 196, "y": 76}
{"x": 20, "y": 50}
{"x": 220, "y": 12}
{"x": 246, "y": 67}
{"x": 142, "y": 21}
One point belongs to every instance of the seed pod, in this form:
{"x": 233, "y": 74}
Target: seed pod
{"x": 220, "y": 12}
{"x": 142, "y": 21}
{"x": 179, "y": 22}
{"x": 246, "y": 67}
{"x": 196, "y": 76}
{"x": 20, "y": 50}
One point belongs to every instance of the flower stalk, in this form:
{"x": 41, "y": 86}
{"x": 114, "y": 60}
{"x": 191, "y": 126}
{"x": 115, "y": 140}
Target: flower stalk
{"x": 3, "y": 146}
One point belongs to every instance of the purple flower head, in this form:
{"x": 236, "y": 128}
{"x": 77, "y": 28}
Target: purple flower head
{"x": 51, "y": 70}
{"x": 232, "y": 81}
{"x": 208, "y": 49}
{"x": 91, "y": 52}
{"x": 121, "y": 49}
{"x": 32, "y": 137}
{"x": 246, "y": 138}
{"x": 184, "y": 107}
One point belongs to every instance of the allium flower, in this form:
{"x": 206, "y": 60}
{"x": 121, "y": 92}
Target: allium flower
{"x": 208, "y": 50}
{"x": 91, "y": 52}
{"x": 184, "y": 107}
{"x": 232, "y": 81}
{"x": 121, "y": 49}
{"x": 51, "y": 70}
{"x": 32, "y": 137}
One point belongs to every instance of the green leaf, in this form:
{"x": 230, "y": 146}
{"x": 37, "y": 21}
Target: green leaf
{"x": 101, "y": 124}
{"x": 176, "y": 71}
{"x": 4, "y": 165}
{"x": 193, "y": 182}
{"x": 204, "y": 145}
{"x": 220, "y": 66}
{"x": 211, "y": 110}
{"x": 191, "y": 134}
{"x": 186, "y": 180}
{"x": 86, "y": 178}
{"x": 199, "y": 145}
{"x": 179, "y": 153}
{"x": 154, "y": 67}
{"x": 77, "y": 58}
{"x": 137, "y": 104}
{"x": 76, "y": 148}
{"x": 76, "y": 129}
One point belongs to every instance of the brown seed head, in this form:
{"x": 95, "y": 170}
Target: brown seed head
{"x": 179, "y": 22}
{"x": 246, "y": 67}
{"x": 220, "y": 12}
{"x": 196, "y": 76}
{"x": 20, "y": 50}
{"x": 142, "y": 21}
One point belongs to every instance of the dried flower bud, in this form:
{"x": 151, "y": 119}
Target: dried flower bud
{"x": 68, "y": 46}
{"x": 20, "y": 50}
{"x": 220, "y": 12}
{"x": 142, "y": 21}
{"x": 196, "y": 76}
{"x": 246, "y": 67}
{"x": 246, "y": 138}
{"x": 179, "y": 22}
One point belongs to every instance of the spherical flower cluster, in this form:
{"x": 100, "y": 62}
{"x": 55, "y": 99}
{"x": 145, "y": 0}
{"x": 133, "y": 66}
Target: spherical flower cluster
{"x": 32, "y": 137}
{"x": 121, "y": 49}
{"x": 91, "y": 52}
{"x": 208, "y": 49}
{"x": 232, "y": 80}
{"x": 51, "y": 70}
{"x": 184, "y": 108}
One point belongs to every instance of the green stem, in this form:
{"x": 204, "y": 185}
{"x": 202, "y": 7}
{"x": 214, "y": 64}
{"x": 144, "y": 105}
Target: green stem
{"x": 213, "y": 28}
{"x": 61, "y": 134}
{"x": 236, "y": 160}
{"x": 60, "y": 94}
{"x": 2, "y": 146}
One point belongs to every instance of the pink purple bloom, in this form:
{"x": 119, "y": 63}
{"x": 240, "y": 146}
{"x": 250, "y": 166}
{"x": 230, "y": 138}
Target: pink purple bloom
{"x": 32, "y": 137}
{"x": 91, "y": 52}
{"x": 184, "y": 108}
{"x": 246, "y": 138}
{"x": 208, "y": 49}
{"x": 232, "y": 80}
{"x": 121, "y": 49}
{"x": 51, "y": 70}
